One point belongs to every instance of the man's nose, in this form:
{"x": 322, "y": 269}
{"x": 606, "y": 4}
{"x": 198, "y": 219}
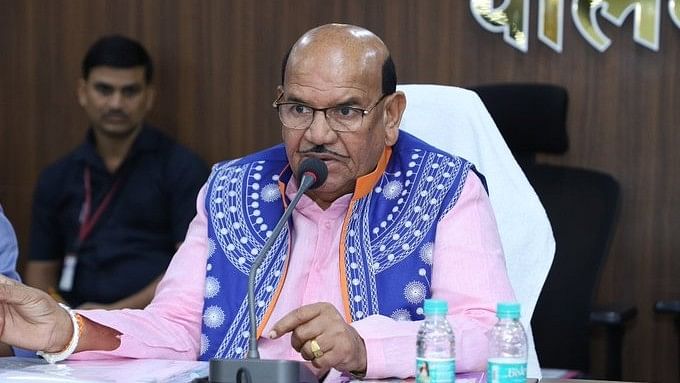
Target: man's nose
{"x": 319, "y": 131}
{"x": 115, "y": 100}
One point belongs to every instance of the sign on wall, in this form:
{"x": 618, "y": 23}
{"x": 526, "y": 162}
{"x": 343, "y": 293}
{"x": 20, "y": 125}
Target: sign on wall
{"x": 511, "y": 18}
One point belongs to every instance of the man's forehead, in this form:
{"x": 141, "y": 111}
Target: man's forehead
{"x": 333, "y": 73}
{"x": 325, "y": 84}
{"x": 350, "y": 53}
{"x": 326, "y": 93}
{"x": 117, "y": 76}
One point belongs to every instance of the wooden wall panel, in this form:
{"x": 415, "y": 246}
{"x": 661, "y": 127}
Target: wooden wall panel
{"x": 218, "y": 63}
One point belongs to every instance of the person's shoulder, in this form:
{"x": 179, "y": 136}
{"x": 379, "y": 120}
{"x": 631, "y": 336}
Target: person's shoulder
{"x": 62, "y": 166}
{"x": 183, "y": 153}
{"x": 407, "y": 143}
{"x": 170, "y": 148}
{"x": 57, "y": 175}
{"x": 157, "y": 138}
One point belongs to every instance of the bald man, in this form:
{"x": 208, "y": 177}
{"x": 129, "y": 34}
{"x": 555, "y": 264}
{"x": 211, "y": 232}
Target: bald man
{"x": 397, "y": 221}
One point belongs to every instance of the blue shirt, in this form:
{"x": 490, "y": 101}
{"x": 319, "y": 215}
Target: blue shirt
{"x": 8, "y": 248}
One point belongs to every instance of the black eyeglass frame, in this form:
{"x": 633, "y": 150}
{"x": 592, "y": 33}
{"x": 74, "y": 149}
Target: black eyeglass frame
{"x": 364, "y": 112}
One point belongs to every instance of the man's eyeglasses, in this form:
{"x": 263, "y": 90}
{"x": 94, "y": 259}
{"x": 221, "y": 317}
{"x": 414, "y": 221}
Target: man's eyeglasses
{"x": 340, "y": 118}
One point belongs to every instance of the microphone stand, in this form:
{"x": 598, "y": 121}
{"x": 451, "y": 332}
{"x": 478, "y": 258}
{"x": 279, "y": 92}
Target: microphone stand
{"x": 253, "y": 369}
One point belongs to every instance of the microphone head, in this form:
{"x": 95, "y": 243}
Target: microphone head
{"x": 314, "y": 168}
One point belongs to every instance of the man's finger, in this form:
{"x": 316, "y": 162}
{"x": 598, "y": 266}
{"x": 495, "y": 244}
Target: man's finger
{"x": 12, "y": 291}
{"x": 305, "y": 352}
{"x": 294, "y": 319}
{"x": 8, "y": 292}
{"x": 308, "y": 331}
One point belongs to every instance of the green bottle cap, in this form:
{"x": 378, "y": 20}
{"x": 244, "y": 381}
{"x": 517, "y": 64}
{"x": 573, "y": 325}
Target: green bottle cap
{"x": 508, "y": 310}
{"x": 436, "y": 306}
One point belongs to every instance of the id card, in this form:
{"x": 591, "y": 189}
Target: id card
{"x": 68, "y": 272}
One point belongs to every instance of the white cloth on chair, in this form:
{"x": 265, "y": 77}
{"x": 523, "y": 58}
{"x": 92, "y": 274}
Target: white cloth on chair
{"x": 456, "y": 121}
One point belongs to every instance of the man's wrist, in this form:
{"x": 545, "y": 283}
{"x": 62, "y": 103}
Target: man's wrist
{"x": 360, "y": 372}
{"x": 62, "y": 337}
{"x": 75, "y": 323}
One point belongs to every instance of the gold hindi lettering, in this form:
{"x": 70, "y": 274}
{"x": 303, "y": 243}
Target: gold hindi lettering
{"x": 511, "y": 19}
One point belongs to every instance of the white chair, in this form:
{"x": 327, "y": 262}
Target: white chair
{"x": 455, "y": 120}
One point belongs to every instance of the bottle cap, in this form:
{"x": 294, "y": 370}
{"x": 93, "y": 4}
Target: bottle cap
{"x": 436, "y": 306}
{"x": 508, "y": 310}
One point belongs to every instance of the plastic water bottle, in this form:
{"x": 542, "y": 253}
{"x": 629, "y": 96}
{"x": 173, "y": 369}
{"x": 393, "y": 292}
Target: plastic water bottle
{"x": 436, "y": 346}
{"x": 507, "y": 347}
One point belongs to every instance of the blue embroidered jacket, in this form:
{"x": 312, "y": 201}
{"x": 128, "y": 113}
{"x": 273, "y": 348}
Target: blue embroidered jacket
{"x": 385, "y": 249}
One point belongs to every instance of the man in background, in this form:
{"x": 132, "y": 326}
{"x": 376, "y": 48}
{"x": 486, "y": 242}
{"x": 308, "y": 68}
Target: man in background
{"x": 108, "y": 216}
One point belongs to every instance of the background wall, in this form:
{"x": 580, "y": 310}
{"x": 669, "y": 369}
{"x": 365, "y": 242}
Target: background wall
{"x": 219, "y": 61}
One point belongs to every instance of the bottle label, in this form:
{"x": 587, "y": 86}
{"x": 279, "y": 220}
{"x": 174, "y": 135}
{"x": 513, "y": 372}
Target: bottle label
{"x": 506, "y": 370}
{"x": 435, "y": 370}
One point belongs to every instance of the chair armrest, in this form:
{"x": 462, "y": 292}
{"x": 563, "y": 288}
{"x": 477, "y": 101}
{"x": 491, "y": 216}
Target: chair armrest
{"x": 667, "y": 307}
{"x": 612, "y": 315}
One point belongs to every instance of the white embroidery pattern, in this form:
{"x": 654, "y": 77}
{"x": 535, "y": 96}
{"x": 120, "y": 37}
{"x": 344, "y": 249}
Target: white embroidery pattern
{"x": 234, "y": 230}
{"x": 213, "y": 317}
{"x": 205, "y": 344}
{"x": 426, "y": 253}
{"x": 238, "y": 343}
{"x": 403, "y": 230}
{"x": 392, "y": 189}
{"x": 212, "y": 287}
{"x": 401, "y": 315}
{"x": 415, "y": 292}
{"x": 358, "y": 258}
{"x": 241, "y": 236}
{"x": 211, "y": 247}
{"x": 421, "y": 190}
{"x": 271, "y": 193}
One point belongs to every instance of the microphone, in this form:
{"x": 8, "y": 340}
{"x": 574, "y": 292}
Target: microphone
{"x": 311, "y": 174}
{"x": 314, "y": 168}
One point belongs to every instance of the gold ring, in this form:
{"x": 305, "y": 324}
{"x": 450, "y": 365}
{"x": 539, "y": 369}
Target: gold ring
{"x": 316, "y": 350}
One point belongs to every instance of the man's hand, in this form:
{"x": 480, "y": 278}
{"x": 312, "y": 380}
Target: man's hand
{"x": 31, "y": 319}
{"x": 340, "y": 344}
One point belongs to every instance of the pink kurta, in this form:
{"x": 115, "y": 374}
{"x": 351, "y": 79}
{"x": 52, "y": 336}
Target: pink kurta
{"x": 468, "y": 271}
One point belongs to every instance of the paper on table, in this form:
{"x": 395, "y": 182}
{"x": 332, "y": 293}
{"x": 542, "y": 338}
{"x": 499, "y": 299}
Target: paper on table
{"x": 101, "y": 371}
{"x": 465, "y": 377}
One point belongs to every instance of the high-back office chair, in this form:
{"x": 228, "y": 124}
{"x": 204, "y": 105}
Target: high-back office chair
{"x": 455, "y": 120}
{"x": 582, "y": 206}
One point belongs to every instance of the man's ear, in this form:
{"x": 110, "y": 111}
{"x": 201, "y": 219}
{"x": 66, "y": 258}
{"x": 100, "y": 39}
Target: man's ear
{"x": 395, "y": 104}
{"x": 150, "y": 97}
{"x": 279, "y": 92}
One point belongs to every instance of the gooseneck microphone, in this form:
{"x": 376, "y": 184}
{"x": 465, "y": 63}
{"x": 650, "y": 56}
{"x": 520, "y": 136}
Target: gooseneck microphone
{"x": 311, "y": 174}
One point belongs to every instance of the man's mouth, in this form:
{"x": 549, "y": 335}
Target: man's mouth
{"x": 325, "y": 157}
{"x": 322, "y": 153}
{"x": 115, "y": 117}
